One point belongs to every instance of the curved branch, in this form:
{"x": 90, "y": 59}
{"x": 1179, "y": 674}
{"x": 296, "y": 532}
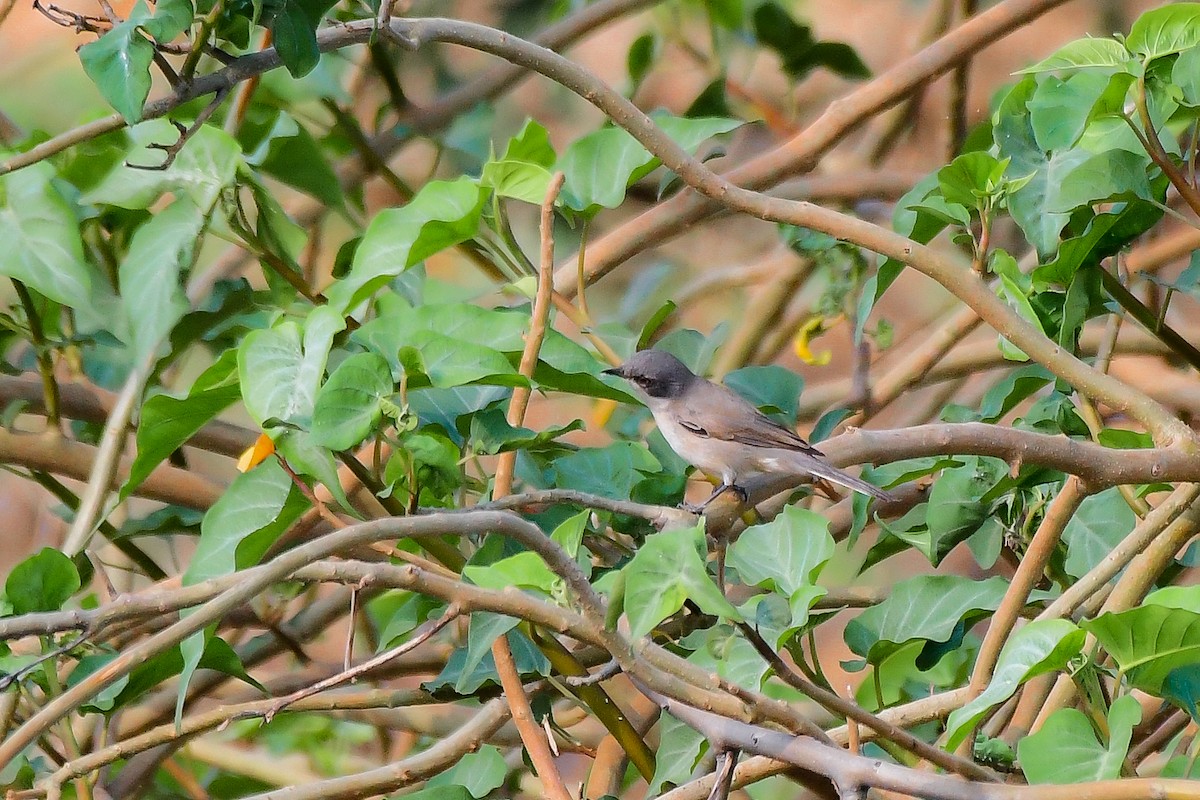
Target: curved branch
{"x": 283, "y": 566}
{"x": 970, "y": 358}
{"x": 964, "y": 284}
{"x": 91, "y": 404}
{"x": 424, "y": 765}
{"x": 61, "y": 456}
{"x": 851, "y": 774}
{"x": 674, "y": 216}
{"x": 1097, "y": 466}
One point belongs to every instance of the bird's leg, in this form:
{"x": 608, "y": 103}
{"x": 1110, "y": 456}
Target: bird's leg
{"x": 720, "y": 490}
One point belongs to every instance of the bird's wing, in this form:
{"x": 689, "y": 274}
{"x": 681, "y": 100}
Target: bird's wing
{"x": 722, "y": 414}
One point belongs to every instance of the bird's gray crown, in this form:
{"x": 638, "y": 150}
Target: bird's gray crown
{"x": 657, "y": 373}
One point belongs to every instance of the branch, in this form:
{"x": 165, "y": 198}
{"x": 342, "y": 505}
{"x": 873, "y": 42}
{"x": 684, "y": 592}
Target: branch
{"x": 1146, "y": 531}
{"x": 283, "y": 566}
{"x": 852, "y": 711}
{"x": 91, "y": 404}
{"x": 1029, "y": 572}
{"x": 965, "y": 285}
{"x": 1097, "y": 466}
{"x": 676, "y": 215}
{"x": 965, "y": 360}
{"x": 660, "y": 516}
{"x": 427, "y": 120}
{"x": 61, "y": 456}
{"x": 438, "y": 758}
{"x": 852, "y": 773}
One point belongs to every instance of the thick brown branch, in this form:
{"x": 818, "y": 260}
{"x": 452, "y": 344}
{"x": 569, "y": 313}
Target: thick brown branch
{"x": 60, "y": 456}
{"x": 1097, "y": 466}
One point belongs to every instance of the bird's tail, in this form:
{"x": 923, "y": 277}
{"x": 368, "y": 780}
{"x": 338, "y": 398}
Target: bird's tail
{"x": 832, "y": 474}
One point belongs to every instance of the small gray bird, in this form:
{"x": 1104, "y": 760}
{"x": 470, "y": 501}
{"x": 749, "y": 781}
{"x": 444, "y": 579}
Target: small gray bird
{"x": 718, "y": 431}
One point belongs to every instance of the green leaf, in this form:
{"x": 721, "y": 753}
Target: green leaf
{"x": 445, "y": 408}
{"x": 42, "y": 582}
{"x": 1060, "y": 110}
{"x": 1017, "y": 289}
{"x": 1182, "y": 687}
{"x": 206, "y": 165}
{"x": 1037, "y": 647}
{"x": 610, "y": 471}
{"x": 1163, "y": 31}
{"x": 532, "y": 145}
{"x": 1104, "y": 177}
{"x": 723, "y": 650}
{"x": 523, "y": 172}
{"x": 562, "y": 364}
{"x": 784, "y": 554}
{"x": 454, "y": 681}
{"x": 119, "y": 64}
{"x": 1031, "y": 205}
{"x": 280, "y": 368}
{"x": 1186, "y": 75}
{"x": 166, "y": 422}
{"x": 289, "y": 153}
{"x": 414, "y": 610}
{"x": 350, "y": 404}
{"x": 311, "y": 460}
{"x": 970, "y": 177}
{"x": 480, "y": 773}
{"x": 1104, "y": 235}
{"x": 256, "y": 508}
{"x": 437, "y": 793}
{"x": 1149, "y": 642}
{"x": 1065, "y": 749}
{"x": 171, "y": 18}
{"x": 799, "y": 51}
{"x": 640, "y": 58}
{"x": 955, "y": 506}
{"x": 569, "y": 534}
{"x": 106, "y": 699}
{"x": 1015, "y": 387}
{"x": 441, "y": 214}
{"x": 485, "y": 628}
{"x": 152, "y": 295}
{"x": 907, "y": 220}
{"x": 491, "y": 433}
{"x": 679, "y": 748}
{"x": 599, "y": 167}
{"x": 516, "y": 179}
{"x": 523, "y": 571}
{"x": 293, "y": 27}
{"x": 1084, "y": 54}
{"x": 666, "y": 570}
{"x": 40, "y": 243}
{"x": 773, "y": 389}
{"x": 931, "y": 608}
{"x": 1186, "y": 597}
{"x": 430, "y": 358}
{"x": 1099, "y": 525}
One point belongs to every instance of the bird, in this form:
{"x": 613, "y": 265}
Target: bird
{"x": 720, "y": 432}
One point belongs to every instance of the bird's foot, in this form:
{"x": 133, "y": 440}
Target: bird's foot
{"x": 720, "y": 490}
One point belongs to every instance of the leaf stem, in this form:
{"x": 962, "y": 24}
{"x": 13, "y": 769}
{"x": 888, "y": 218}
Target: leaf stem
{"x": 45, "y": 359}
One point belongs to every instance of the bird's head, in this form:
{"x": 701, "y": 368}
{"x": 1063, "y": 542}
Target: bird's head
{"x": 657, "y": 373}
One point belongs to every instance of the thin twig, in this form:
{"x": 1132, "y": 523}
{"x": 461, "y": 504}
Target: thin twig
{"x": 532, "y": 736}
{"x": 173, "y": 149}
{"x": 353, "y": 673}
{"x": 852, "y": 711}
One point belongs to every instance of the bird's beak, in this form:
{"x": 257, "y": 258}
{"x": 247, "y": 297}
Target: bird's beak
{"x": 618, "y": 371}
